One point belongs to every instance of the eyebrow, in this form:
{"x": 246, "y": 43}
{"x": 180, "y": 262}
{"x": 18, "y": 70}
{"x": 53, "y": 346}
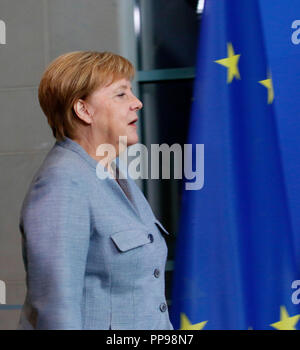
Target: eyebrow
{"x": 123, "y": 87}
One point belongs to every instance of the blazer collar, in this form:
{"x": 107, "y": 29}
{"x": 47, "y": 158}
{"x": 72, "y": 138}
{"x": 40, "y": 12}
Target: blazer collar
{"x": 74, "y": 146}
{"x": 127, "y": 188}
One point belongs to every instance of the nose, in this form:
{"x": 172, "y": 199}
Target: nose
{"x": 136, "y": 104}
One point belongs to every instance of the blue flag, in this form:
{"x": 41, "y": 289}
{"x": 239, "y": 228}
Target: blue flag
{"x": 234, "y": 262}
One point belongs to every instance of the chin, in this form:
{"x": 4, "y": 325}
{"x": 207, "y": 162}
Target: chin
{"x": 132, "y": 139}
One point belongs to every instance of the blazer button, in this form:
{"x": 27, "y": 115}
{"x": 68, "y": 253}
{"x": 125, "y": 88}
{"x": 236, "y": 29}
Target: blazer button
{"x": 150, "y": 237}
{"x": 163, "y": 307}
{"x": 156, "y": 273}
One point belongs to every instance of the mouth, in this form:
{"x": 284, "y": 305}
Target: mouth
{"x": 133, "y": 122}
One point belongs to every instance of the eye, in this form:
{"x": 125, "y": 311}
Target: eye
{"x": 121, "y": 95}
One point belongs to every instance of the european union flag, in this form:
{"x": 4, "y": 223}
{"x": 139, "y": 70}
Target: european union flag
{"x": 234, "y": 263}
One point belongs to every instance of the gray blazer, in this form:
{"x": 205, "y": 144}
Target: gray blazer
{"x": 93, "y": 251}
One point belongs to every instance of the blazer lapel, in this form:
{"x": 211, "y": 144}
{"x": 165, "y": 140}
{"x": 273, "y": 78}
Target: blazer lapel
{"x": 125, "y": 189}
{"x": 134, "y": 196}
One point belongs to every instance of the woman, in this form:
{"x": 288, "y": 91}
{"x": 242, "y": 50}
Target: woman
{"x": 93, "y": 251}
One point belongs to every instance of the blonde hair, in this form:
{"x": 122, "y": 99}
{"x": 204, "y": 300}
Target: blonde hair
{"x": 73, "y": 76}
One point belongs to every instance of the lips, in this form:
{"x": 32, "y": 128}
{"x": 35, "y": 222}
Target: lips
{"x": 132, "y": 122}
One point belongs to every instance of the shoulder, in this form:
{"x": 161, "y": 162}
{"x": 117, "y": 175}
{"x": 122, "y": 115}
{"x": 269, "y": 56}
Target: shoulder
{"x": 61, "y": 165}
{"x": 61, "y": 175}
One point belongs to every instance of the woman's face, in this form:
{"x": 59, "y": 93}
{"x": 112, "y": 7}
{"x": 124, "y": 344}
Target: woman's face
{"x": 114, "y": 110}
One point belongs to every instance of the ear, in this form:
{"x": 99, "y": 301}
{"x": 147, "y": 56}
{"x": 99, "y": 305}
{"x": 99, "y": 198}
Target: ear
{"x": 83, "y": 112}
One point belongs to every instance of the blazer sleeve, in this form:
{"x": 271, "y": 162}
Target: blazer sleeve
{"x": 55, "y": 223}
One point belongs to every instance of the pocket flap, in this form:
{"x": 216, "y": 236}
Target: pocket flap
{"x": 159, "y": 224}
{"x": 129, "y": 239}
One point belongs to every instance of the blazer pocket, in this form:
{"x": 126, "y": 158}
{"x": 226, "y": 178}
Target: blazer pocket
{"x": 129, "y": 239}
{"x": 160, "y": 226}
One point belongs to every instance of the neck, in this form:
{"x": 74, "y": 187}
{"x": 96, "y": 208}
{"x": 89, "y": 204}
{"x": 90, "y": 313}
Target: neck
{"x": 90, "y": 145}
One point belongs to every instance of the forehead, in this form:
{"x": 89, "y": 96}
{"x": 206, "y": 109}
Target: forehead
{"x": 112, "y": 88}
{"x": 119, "y": 84}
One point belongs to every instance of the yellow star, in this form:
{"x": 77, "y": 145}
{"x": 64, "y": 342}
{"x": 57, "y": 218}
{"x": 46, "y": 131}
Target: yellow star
{"x": 268, "y": 83}
{"x": 185, "y": 324}
{"x": 286, "y": 322}
{"x": 231, "y": 63}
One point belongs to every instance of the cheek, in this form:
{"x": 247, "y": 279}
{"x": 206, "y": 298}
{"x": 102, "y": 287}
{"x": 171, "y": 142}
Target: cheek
{"x": 120, "y": 118}
{"x": 113, "y": 118}
{"x": 104, "y": 116}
